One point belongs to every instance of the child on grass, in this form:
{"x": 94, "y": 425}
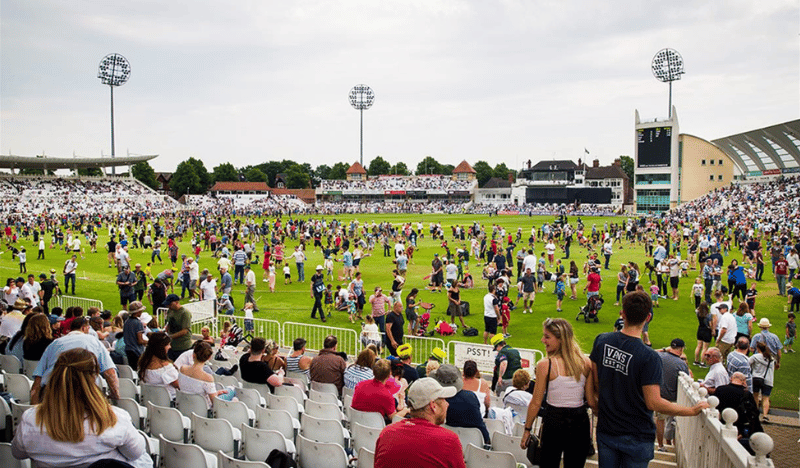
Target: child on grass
{"x": 329, "y": 299}
{"x": 287, "y": 274}
{"x": 654, "y": 293}
{"x": 698, "y": 290}
{"x": 351, "y": 307}
{"x": 791, "y": 332}
{"x": 560, "y": 289}
{"x": 248, "y": 318}
{"x": 505, "y": 315}
{"x": 271, "y": 278}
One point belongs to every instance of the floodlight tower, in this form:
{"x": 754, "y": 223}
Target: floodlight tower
{"x": 667, "y": 67}
{"x": 361, "y": 98}
{"x": 114, "y": 71}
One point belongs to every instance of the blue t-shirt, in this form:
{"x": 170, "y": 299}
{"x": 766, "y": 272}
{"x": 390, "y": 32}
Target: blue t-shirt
{"x": 624, "y": 366}
{"x": 129, "y": 331}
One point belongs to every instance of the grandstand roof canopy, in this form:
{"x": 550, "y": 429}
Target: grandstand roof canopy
{"x": 240, "y": 187}
{"x": 775, "y": 147}
{"x": 50, "y": 163}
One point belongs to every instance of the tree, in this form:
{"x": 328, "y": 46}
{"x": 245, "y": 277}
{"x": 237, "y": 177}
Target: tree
{"x": 338, "y": 171}
{"x": 90, "y": 172}
{"x": 255, "y": 175}
{"x": 429, "y": 166}
{"x": 378, "y": 166}
{"x": 400, "y": 169}
{"x": 483, "y": 171}
{"x": 627, "y": 166}
{"x": 501, "y": 171}
{"x": 26, "y": 171}
{"x": 225, "y": 172}
{"x": 185, "y": 180}
{"x": 144, "y": 173}
{"x": 322, "y": 172}
{"x": 202, "y": 174}
{"x": 297, "y": 177}
{"x": 446, "y": 169}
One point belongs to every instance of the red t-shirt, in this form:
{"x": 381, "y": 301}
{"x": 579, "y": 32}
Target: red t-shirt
{"x": 418, "y": 443}
{"x": 593, "y": 282}
{"x": 781, "y": 267}
{"x": 373, "y": 396}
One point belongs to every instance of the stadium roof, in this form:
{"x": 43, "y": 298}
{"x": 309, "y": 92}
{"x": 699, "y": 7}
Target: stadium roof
{"x": 356, "y": 168}
{"x": 464, "y": 167}
{"x": 768, "y": 148}
{"x": 240, "y": 187}
{"x": 50, "y": 163}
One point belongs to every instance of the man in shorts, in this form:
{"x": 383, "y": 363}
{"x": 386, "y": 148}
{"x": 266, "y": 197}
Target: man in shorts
{"x": 528, "y": 289}
{"x": 491, "y": 312}
{"x": 437, "y": 276}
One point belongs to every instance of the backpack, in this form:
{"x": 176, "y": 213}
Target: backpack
{"x": 278, "y": 459}
{"x": 470, "y": 331}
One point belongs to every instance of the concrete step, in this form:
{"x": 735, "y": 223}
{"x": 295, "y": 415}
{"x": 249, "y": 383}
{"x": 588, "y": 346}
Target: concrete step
{"x": 655, "y": 463}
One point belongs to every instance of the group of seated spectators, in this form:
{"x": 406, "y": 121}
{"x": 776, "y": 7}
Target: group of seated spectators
{"x": 427, "y": 183}
{"x": 36, "y": 195}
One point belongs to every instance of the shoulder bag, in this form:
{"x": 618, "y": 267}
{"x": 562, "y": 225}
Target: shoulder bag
{"x": 534, "y": 452}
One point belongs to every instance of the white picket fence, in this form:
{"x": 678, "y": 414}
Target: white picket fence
{"x": 706, "y": 442}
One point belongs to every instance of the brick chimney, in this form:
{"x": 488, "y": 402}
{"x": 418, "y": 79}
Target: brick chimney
{"x": 510, "y": 177}
{"x": 618, "y": 162}
{"x": 596, "y": 163}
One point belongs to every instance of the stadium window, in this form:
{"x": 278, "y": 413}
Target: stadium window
{"x": 711, "y": 177}
{"x": 702, "y": 162}
{"x": 720, "y": 162}
{"x": 720, "y": 177}
{"x": 711, "y": 161}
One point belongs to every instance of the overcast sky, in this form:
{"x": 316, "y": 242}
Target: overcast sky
{"x": 501, "y": 81}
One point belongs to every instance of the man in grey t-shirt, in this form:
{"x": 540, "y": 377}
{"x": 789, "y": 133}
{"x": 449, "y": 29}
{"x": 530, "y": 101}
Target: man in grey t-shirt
{"x": 672, "y": 363}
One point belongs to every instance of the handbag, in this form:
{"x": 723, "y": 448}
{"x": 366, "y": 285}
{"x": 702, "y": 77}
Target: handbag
{"x": 534, "y": 452}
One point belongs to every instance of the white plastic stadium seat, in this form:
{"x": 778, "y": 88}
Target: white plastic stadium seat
{"x": 8, "y": 461}
{"x": 216, "y": 434}
{"x": 156, "y": 394}
{"x": 235, "y": 412}
{"x": 258, "y": 443}
{"x": 138, "y": 413}
{"x": 278, "y": 420}
{"x": 19, "y": 387}
{"x": 168, "y": 422}
{"x": 364, "y": 436}
{"x": 467, "y": 435}
{"x": 225, "y": 461}
{"x": 479, "y": 458}
{"x": 366, "y": 458}
{"x": 320, "y": 455}
{"x": 177, "y": 455}
{"x": 506, "y": 443}
{"x": 324, "y": 430}
{"x": 188, "y": 403}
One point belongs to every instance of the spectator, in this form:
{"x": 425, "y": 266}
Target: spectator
{"x": 464, "y": 409}
{"x": 770, "y": 339}
{"x": 360, "y": 370}
{"x": 717, "y": 375}
{"x": 409, "y": 442}
{"x": 178, "y": 324}
{"x": 763, "y": 367}
{"x": 631, "y": 389}
{"x": 75, "y": 425}
{"x": 738, "y": 361}
{"x": 673, "y": 362}
{"x": 373, "y": 395}
{"x": 78, "y": 337}
{"x": 134, "y": 334}
{"x": 155, "y": 368}
{"x": 506, "y": 363}
{"x": 194, "y": 379}
{"x": 328, "y": 366}
{"x": 38, "y": 336}
{"x": 255, "y": 365}
{"x": 394, "y": 329}
{"x": 727, "y": 330}
{"x": 737, "y": 396}
{"x": 297, "y": 362}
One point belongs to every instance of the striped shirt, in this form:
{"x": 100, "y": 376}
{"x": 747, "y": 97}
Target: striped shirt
{"x": 239, "y": 257}
{"x": 293, "y": 365}
{"x": 355, "y": 374}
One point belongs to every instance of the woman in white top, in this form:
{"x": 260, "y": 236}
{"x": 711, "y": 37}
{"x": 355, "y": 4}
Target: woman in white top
{"x": 194, "y": 379}
{"x": 567, "y": 374}
{"x": 75, "y": 425}
{"x": 155, "y": 368}
{"x": 474, "y": 383}
{"x": 516, "y": 397}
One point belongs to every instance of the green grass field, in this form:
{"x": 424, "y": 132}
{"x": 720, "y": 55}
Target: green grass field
{"x": 292, "y": 303}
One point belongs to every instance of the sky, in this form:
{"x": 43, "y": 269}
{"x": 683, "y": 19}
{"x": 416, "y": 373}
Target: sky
{"x": 502, "y": 81}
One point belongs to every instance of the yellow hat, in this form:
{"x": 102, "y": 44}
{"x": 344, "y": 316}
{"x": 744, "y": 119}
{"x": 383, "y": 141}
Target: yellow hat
{"x": 439, "y": 354}
{"x": 405, "y": 350}
{"x": 498, "y": 338}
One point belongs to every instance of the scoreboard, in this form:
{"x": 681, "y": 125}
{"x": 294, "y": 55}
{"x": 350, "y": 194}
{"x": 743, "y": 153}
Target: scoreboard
{"x": 654, "y": 147}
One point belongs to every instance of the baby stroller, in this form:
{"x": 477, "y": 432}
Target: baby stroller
{"x": 424, "y": 320}
{"x": 589, "y": 311}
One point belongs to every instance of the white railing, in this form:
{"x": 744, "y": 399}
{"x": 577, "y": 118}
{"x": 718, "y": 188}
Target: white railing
{"x": 705, "y": 442}
{"x": 315, "y": 337}
{"x": 72, "y": 301}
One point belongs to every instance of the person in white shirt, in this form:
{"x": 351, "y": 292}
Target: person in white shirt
{"x": 208, "y": 287}
{"x": 551, "y": 251}
{"x": 250, "y": 285}
{"x": 30, "y": 290}
{"x": 70, "y": 268}
{"x": 194, "y": 276}
{"x": 491, "y": 313}
{"x": 727, "y": 330}
{"x": 717, "y": 375}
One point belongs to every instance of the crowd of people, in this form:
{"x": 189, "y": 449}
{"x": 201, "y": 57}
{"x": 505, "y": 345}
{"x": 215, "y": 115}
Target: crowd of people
{"x": 695, "y": 240}
{"x": 428, "y": 183}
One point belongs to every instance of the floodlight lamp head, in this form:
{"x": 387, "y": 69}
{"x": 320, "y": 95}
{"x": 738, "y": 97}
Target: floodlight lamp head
{"x": 114, "y": 70}
{"x": 361, "y": 97}
{"x": 667, "y": 65}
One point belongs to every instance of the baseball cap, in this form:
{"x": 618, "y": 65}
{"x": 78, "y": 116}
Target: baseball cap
{"x": 677, "y": 343}
{"x": 170, "y": 299}
{"x": 721, "y": 305}
{"x": 449, "y": 376}
{"x": 42, "y": 275}
{"x": 405, "y": 350}
{"x": 426, "y": 390}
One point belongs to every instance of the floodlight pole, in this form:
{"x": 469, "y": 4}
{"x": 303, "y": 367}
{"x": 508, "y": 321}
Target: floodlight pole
{"x": 361, "y": 159}
{"x": 113, "y": 167}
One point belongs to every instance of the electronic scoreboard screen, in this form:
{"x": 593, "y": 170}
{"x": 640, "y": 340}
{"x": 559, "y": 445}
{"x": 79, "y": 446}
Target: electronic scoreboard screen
{"x": 654, "y": 146}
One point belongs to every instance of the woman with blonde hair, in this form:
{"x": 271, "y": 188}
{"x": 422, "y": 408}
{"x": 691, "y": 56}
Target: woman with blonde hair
{"x": 274, "y": 360}
{"x": 75, "y": 425}
{"x": 565, "y": 375}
